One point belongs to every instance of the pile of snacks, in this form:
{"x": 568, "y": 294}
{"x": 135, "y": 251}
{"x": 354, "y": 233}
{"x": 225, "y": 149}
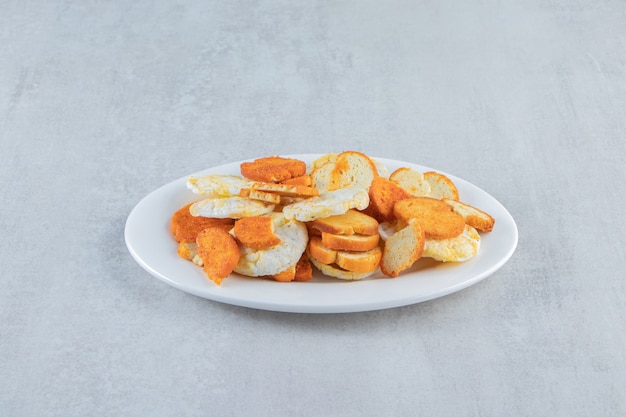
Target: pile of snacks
{"x": 344, "y": 215}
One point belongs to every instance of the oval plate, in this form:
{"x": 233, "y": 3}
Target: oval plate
{"x": 152, "y": 245}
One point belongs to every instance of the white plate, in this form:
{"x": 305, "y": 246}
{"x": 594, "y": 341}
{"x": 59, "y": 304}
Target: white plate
{"x": 150, "y": 242}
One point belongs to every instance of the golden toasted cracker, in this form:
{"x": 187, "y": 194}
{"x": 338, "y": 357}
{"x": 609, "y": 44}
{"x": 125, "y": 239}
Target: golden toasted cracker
{"x": 437, "y": 218}
{"x": 411, "y": 181}
{"x": 474, "y": 217}
{"x": 384, "y": 194}
{"x": 273, "y": 169}
{"x": 441, "y": 186}
{"x": 219, "y": 253}
{"x": 337, "y": 272}
{"x": 348, "y": 169}
{"x": 367, "y": 261}
{"x": 186, "y": 227}
{"x": 356, "y": 243}
{"x": 256, "y": 232}
{"x": 403, "y": 248}
{"x": 349, "y": 223}
{"x": 320, "y": 252}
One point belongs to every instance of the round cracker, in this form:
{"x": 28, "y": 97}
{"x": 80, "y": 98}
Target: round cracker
{"x": 436, "y": 217}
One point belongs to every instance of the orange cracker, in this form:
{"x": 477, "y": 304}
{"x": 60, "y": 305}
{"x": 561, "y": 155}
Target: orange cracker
{"x": 256, "y": 232}
{"x": 437, "y": 218}
{"x": 474, "y": 217}
{"x": 384, "y": 194}
{"x": 186, "y": 227}
{"x": 219, "y": 253}
{"x": 273, "y": 169}
{"x": 355, "y": 243}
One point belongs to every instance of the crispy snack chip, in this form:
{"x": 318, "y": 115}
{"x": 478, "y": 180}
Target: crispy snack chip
{"x": 186, "y": 227}
{"x": 256, "y": 232}
{"x": 436, "y": 217}
{"x": 219, "y": 253}
{"x": 474, "y": 217}
{"x": 347, "y": 169}
{"x": 349, "y": 223}
{"x": 403, "y": 249}
{"x": 355, "y": 243}
{"x": 384, "y": 194}
{"x": 441, "y": 186}
{"x": 273, "y": 169}
{"x": 411, "y": 181}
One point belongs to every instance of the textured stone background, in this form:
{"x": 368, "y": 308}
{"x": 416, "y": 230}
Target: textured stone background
{"x": 103, "y": 102}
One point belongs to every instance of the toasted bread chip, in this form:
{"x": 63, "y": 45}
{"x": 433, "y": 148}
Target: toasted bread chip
{"x": 340, "y": 273}
{"x": 367, "y": 261}
{"x": 317, "y": 250}
{"x": 474, "y": 217}
{"x": 386, "y": 229}
{"x": 384, "y": 194}
{"x": 411, "y": 181}
{"x": 219, "y": 253}
{"x": 273, "y": 169}
{"x": 357, "y": 243}
{"x": 256, "y": 232}
{"x": 286, "y": 190}
{"x": 436, "y": 217}
{"x": 441, "y": 186}
{"x": 304, "y": 270}
{"x": 322, "y": 160}
{"x": 348, "y": 169}
{"x": 186, "y": 227}
{"x": 349, "y": 223}
{"x": 403, "y": 249}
